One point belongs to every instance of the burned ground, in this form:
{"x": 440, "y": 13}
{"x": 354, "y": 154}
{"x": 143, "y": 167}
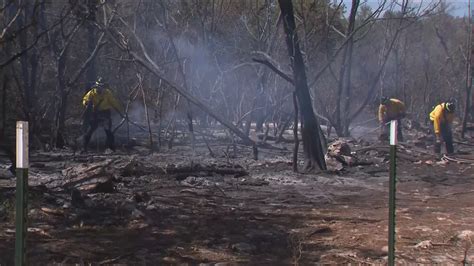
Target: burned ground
{"x": 179, "y": 206}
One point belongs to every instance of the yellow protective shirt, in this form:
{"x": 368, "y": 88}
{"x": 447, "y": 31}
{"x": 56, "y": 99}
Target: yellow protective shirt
{"x": 101, "y": 102}
{"x": 439, "y": 115}
{"x": 394, "y": 109}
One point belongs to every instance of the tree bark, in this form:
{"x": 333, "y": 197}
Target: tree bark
{"x": 147, "y": 117}
{"x": 310, "y": 129}
{"x": 24, "y": 61}
{"x": 467, "y": 105}
{"x": 295, "y": 135}
{"x": 60, "y": 119}
{"x": 4, "y": 105}
{"x": 347, "y": 98}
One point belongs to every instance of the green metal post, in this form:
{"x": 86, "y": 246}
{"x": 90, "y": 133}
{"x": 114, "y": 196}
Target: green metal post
{"x": 392, "y": 193}
{"x": 21, "y": 192}
{"x": 21, "y": 215}
{"x": 391, "y": 206}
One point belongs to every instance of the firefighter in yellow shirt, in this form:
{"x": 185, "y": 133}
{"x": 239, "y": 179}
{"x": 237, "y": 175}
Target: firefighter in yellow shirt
{"x": 442, "y": 117}
{"x": 391, "y": 109}
{"x": 98, "y": 103}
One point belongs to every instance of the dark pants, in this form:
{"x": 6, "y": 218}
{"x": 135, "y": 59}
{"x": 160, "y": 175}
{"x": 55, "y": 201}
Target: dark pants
{"x": 9, "y": 150}
{"x": 99, "y": 118}
{"x": 386, "y": 131}
{"x": 447, "y": 137}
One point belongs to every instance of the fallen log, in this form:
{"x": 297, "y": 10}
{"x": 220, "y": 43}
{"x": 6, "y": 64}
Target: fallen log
{"x": 90, "y": 179}
{"x": 98, "y": 185}
{"x": 180, "y": 173}
{"x": 57, "y": 212}
{"x": 135, "y": 167}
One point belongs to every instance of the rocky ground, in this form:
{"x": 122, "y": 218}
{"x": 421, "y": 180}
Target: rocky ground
{"x": 183, "y": 207}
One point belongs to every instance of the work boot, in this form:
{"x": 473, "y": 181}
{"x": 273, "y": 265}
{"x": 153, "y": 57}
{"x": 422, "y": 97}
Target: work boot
{"x": 439, "y": 157}
{"x": 110, "y": 139}
{"x": 85, "y": 144}
{"x": 437, "y": 147}
{"x": 449, "y": 147}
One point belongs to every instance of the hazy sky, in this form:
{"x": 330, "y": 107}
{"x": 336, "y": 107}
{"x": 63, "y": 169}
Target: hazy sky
{"x": 458, "y": 7}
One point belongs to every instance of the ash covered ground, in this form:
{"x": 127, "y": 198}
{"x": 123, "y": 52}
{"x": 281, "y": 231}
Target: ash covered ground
{"x": 179, "y": 206}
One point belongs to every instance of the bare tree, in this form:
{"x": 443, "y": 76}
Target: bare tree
{"x": 51, "y": 48}
{"x": 148, "y": 63}
{"x": 59, "y": 43}
{"x": 310, "y": 129}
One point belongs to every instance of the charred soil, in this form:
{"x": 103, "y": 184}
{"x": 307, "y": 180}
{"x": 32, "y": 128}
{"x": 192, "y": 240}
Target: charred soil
{"x": 183, "y": 206}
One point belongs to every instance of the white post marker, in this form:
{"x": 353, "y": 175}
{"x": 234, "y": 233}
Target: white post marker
{"x": 21, "y": 144}
{"x": 21, "y": 193}
{"x": 393, "y": 132}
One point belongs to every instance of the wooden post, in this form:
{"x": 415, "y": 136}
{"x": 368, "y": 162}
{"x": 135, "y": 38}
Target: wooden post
{"x": 392, "y": 192}
{"x": 21, "y": 191}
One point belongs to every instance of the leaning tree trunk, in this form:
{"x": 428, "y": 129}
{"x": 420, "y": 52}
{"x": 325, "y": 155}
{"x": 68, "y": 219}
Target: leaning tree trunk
{"x": 310, "y": 129}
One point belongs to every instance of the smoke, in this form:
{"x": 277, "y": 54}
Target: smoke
{"x": 206, "y": 65}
